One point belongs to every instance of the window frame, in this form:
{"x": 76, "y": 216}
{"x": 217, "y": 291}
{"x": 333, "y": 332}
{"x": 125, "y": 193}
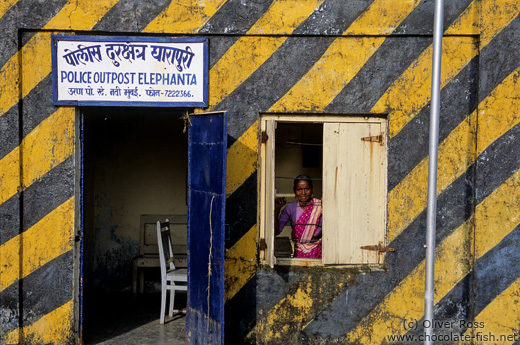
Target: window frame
{"x": 266, "y": 195}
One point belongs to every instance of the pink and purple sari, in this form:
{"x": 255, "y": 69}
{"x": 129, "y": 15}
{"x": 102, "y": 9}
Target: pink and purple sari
{"x": 307, "y": 226}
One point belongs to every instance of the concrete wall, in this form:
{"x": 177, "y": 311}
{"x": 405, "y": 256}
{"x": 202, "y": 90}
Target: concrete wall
{"x": 317, "y": 56}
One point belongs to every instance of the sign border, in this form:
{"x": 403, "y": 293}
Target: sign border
{"x": 159, "y": 39}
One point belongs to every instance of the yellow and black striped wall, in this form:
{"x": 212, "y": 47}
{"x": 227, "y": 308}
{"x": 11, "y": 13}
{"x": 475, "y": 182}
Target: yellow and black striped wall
{"x": 288, "y": 56}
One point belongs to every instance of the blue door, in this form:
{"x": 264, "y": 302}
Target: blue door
{"x": 207, "y": 144}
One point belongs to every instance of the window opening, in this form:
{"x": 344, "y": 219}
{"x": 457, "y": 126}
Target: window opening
{"x": 345, "y": 158}
{"x": 298, "y": 150}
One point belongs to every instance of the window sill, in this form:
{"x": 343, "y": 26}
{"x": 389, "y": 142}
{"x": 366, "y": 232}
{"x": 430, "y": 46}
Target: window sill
{"x": 298, "y": 262}
{"x": 301, "y": 262}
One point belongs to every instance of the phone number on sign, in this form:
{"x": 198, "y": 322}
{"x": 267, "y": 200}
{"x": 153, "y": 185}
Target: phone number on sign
{"x": 177, "y": 93}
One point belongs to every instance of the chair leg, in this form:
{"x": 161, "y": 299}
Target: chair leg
{"x": 172, "y": 299}
{"x": 163, "y": 304}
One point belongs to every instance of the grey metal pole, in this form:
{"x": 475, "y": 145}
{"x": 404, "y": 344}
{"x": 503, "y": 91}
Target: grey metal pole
{"x": 432, "y": 172}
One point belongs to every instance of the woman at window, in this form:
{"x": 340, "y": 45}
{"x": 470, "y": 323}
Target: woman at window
{"x": 305, "y": 217}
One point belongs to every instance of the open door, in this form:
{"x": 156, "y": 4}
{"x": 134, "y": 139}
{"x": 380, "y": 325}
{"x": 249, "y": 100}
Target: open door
{"x": 207, "y": 145}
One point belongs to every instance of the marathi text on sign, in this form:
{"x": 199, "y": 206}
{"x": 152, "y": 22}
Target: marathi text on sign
{"x": 105, "y": 71}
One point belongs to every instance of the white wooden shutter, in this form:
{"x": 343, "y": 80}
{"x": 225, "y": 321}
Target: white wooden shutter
{"x": 354, "y": 192}
{"x": 268, "y": 185}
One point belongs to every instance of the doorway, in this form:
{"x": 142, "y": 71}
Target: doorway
{"x": 134, "y": 164}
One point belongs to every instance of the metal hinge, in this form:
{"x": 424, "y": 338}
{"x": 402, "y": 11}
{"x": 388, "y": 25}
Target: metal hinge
{"x": 379, "y": 248}
{"x": 375, "y": 139}
{"x": 265, "y": 137}
{"x": 263, "y": 245}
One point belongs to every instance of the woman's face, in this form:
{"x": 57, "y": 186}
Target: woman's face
{"x": 303, "y": 191}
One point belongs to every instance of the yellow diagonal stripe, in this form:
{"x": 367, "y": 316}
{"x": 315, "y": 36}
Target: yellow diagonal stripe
{"x": 344, "y": 58}
{"x": 494, "y": 219}
{"x": 406, "y": 301}
{"x": 500, "y": 318}
{"x": 36, "y": 62}
{"x": 495, "y": 16}
{"x": 80, "y": 15}
{"x": 468, "y": 23}
{"x": 329, "y": 75}
{"x": 412, "y": 90}
{"x": 497, "y": 215}
{"x": 282, "y": 17}
{"x": 299, "y": 303}
{"x": 298, "y": 308}
{"x": 238, "y": 63}
{"x": 240, "y": 263}
{"x": 248, "y": 53}
{"x": 382, "y": 17}
{"x": 49, "y": 144}
{"x": 53, "y": 328}
{"x": 242, "y": 159}
{"x": 36, "y": 54}
{"x": 9, "y": 175}
{"x": 499, "y": 112}
{"x": 9, "y": 84}
{"x": 43, "y": 242}
{"x": 184, "y": 16}
{"x": 408, "y": 199}
{"x": 5, "y": 5}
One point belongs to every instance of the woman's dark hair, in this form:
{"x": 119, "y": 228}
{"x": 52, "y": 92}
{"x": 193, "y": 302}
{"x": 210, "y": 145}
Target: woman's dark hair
{"x": 302, "y": 177}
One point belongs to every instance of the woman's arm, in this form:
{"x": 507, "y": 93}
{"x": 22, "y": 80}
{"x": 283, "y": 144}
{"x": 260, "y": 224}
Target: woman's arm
{"x": 278, "y": 204}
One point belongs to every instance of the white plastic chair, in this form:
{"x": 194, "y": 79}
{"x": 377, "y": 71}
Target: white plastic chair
{"x": 170, "y": 275}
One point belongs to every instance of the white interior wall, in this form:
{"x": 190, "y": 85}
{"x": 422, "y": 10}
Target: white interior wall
{"x": 136, "y": 161}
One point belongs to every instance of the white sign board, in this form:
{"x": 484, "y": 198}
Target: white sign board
{"x": 130, "y": 71}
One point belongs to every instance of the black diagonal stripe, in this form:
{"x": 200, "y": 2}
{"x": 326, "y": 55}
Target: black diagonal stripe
{"x": 9, "y": 218}
{"x": 39, "y": 199}
{"x": 241, "y": 208}
{"x": 235, "y": 17}
{"x": 496, "y": 166}
{"x": 332, "y": 17}
{"x": 493, "y": 274}
{"x": 496, "y": 270}
{"x": 240, "y": 313}
{"x": 130, "y": 15}
{"x": 497, "y": 163}
{"x": 257, "y": 94}
{"x": 24, "y": 14}
{"x": 283, "y": 69}
{"x": 37, "y": 106}
{"x": 9, "y": 131}
{"x": 44, "y": 290}
{"x": 318, "y": 285}
{"x": 275, "y": 284}
{"x": 455, "y": 206}
{"x": 49, "y": 192}
{"x": 452, "y": 313}
{"x": 459, "y": 100}
{"x": 421, "y": 22}
{"x": 391, "y": 60}
{"x": 499, "y": 58}
{"x": 496, "y": 63}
